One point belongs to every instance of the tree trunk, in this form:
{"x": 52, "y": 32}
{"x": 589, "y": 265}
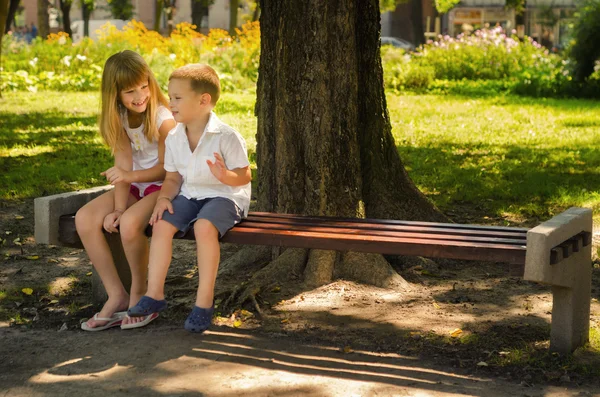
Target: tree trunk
{"x": 233, "y": 16}
{"x": 199, "y": 10}
{"x": 416, "y": 15}
{"x": 86, "y": 11}
{"x": 324, "y": 141}
{"x": 65, "y": 9}
{"x": 158, "y": 7}
{"x": 3, "y": 18}
{"x": 13, "y": 6}
{"x": 43, "y": 19}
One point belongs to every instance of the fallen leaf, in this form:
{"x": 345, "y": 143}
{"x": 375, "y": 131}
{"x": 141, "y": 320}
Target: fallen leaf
{"x": 27, "y": 291}
{"x": 285, "y": 320}
{"x": 456, "y": 332}
{"x": 19, "y": 217}
{"x": 276, "y": 289}
{"x": 32, "y": 257}
{"x": 436, "y": 305}
{"x": 88, "y": 274}
{"x": 53, "y": 302}
{"x": 347, "y": 349}
{"x": 7, "y": 232}
{"x": 246, "y": 314}
{"x": 482, "y": 364}
{"x": 52, "y": 260}
{"x": 237, "y": 323}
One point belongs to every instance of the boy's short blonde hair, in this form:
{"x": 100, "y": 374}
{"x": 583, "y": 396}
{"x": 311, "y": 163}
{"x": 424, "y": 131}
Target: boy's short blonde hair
{"x": 203, "y": 78}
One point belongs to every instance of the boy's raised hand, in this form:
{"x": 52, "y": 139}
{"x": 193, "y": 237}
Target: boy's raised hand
{"x": 116, "y": 175}
{"x": 218, "y": 168}
{"x": 162, "y": 204}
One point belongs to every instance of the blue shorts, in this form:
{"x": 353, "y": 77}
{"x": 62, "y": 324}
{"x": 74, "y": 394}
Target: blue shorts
{"x": 221, "y": 212}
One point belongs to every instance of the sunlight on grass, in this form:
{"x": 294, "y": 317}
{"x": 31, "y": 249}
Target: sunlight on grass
{"x": 511, "y": 157}
{"x": 25, "y": 151}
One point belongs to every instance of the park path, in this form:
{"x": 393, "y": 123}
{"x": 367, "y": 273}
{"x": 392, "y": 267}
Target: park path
{"x": 167, "y": 361}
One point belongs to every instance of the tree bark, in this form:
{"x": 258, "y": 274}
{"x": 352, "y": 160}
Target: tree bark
{"x": 9, "y": 19}
{"x": 43, "y": 19}
{"x": 65, "y": 9}
{"x": 324, "y": 141}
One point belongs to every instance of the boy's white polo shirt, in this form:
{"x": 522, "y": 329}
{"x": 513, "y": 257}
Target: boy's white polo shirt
{"x": 198, "y": 181}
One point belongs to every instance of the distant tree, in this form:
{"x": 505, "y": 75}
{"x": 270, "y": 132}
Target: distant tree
{"x": 87, "y": 6}
{"x": 199, "y": 10}
{"x": 585, "y": 50}
{"x": 13, "y": 6}
{"x": 443, "y": 6}
{"x": 233, "y": 15}
{"x": 168, "y": 7}
{"x": 65, "y": 9}
{"x": 43, "y": 18}
{"x": 3, "y": 17}
{"x": 121, "y": 9}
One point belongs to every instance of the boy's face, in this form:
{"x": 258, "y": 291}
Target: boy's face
{"x": 184, "y": 102}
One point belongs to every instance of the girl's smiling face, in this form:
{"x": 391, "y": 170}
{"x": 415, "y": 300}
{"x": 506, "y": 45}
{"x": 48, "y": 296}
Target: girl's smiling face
{"x": 135, "y": 99}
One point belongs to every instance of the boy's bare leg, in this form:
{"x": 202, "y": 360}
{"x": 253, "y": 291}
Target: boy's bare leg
{"x": 161, "y": 249}
{"x": 135, "y": 244}
{"x": 89, "y": 221}
{"x": 209, "y": 254}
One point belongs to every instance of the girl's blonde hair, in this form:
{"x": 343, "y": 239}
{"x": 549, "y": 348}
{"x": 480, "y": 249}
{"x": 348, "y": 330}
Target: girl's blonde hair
{"x": 122, "y": 71}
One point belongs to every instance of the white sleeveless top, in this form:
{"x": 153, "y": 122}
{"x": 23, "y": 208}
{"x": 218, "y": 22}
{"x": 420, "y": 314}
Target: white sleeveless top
{"x": 145, "y": 153}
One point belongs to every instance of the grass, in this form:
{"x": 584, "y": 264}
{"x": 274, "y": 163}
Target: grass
{"x": 508, "y": 157}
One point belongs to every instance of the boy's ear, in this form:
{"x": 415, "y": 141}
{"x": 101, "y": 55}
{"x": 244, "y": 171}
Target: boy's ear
{"x": 205, "y": 99}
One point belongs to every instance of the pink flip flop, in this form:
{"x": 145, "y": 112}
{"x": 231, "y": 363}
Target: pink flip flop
{"x": 113, "y": 321}
{"x": 146, "y": 320}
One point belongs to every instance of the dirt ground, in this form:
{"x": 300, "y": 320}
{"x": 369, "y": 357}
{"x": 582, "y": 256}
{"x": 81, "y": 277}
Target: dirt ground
{"x": 463, "y": 328}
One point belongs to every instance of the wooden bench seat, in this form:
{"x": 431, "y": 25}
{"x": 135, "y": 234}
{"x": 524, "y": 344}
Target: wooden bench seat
{"x": 390, "y": 237}
{"x": 556, "y": 252}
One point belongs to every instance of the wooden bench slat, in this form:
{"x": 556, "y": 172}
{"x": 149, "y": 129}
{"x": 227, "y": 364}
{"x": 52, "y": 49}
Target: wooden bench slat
{"x": 378, "y": 244}
{"x": 395, "y": 228}
{"x": 387, "y": 222}
{"x": 386, "y": 232}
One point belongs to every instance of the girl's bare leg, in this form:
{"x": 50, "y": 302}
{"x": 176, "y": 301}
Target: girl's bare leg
{"x": 135, "y": 244}
{"x": 89, "y": 221}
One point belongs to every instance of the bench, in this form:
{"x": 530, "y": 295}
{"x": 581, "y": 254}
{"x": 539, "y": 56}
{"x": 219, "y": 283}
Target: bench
{"x": 557, "y": 252}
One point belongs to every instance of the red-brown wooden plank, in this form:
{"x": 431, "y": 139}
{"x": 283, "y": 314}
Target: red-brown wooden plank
{"x": 388, "y": 222}
{"x": 323, "y": 228}
{"x": 378, "y": 244}
{"x": 375, "y": 226}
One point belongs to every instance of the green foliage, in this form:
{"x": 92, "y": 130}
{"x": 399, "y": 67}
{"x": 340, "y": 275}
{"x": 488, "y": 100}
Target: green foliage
{"x": 443, "y": 6}
{"x": 585, "y": 50}
{"x": 121, "y": 9}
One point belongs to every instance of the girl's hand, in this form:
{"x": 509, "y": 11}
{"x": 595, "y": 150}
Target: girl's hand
{"x": 112, "y": 220}
{"x": 162, "y": 204}
{"x": 218, "y": 168}
{"x": 116, "y": 175}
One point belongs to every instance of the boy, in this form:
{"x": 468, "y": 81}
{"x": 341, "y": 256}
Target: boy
{"x": 207, "y": 164}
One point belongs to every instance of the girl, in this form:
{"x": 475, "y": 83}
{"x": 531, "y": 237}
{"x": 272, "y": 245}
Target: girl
{"x": 134, "y": 122}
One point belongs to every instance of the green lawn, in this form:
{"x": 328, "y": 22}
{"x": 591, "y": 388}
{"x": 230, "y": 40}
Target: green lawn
{"x": 509, "y": 157}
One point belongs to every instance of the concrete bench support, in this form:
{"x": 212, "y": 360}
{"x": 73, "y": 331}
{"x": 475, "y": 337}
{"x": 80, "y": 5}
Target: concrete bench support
{"x": 48, "y": 211}
{"x": 571, "y": 278}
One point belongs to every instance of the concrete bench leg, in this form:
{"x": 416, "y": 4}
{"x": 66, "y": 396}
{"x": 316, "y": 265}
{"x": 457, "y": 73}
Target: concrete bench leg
{"x": 98, "y": 291}
{"x": 571, "y": 278}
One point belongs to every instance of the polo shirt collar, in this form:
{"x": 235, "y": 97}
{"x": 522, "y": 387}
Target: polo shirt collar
{"x": 213, "y": 124}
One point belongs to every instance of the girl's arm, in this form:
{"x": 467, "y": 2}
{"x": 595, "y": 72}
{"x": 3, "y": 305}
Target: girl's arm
{"x": 116, "y": 174}
{"x": 124, "y": 161}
